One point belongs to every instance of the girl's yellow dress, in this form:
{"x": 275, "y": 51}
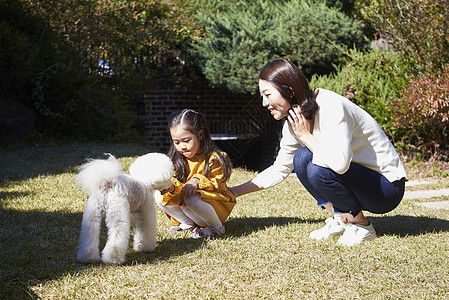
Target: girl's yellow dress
{"x": 212, "y": 189}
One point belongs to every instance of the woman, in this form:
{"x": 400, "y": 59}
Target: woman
{"x": 338, "y": 151}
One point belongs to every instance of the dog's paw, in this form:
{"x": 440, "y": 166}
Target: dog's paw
{"x": 138, "y": 247}
{"x": 142, "y": 247}
{"x": 113, "y": 260}
{"x": 113, "y": 256}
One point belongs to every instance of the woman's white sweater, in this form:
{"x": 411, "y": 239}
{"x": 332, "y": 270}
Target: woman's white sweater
{"x": 346, "y": 133}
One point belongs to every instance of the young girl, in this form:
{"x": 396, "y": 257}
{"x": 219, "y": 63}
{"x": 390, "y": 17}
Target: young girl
{"x": 199, "y": 197}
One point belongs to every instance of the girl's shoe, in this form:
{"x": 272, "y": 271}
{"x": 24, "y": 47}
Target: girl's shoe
{"x": 333, "y": 227}
{"x": 356, "y": 234}
{"x": 208, "y": 231}
{"x": 176, "y": 229}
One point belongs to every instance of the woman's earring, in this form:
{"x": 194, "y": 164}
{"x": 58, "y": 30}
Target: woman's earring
{"x": 292, "y": 93}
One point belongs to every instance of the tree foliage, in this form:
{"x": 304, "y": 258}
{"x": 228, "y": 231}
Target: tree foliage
{"x": 27, "y": 50}
{"x": 128, "y": 37}
{"x": 417, "y": 29}
{"x": 240, "y": 37}
{"x": 77, "y": 63}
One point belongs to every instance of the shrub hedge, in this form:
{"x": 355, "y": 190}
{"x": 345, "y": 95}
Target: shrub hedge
{"x": 421, "y": 115}
{"x": 240, "y": 37}
{"x": 370, "y": 79}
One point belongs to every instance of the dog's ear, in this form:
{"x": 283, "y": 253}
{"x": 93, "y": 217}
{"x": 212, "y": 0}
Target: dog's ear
{"x": 153, "y": 169}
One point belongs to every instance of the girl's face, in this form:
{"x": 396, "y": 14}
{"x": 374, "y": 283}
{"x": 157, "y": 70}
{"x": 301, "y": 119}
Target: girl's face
{"x": 186, "y": 142}
{"x": 272, "y": 99}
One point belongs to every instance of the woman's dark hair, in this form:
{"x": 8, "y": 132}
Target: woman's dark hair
{"x": 196, "y": 123}
{"x": 291, "y": 83}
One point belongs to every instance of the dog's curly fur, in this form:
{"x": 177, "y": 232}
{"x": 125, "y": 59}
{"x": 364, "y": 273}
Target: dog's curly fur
{"x": 125, "y": 200}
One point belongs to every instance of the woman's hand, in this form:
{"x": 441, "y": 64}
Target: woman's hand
{"x": 301, "y": 126}
{"x": 245, "y": 188}
{"x": 233, "y": 190}
{"x": 190, "y": 187}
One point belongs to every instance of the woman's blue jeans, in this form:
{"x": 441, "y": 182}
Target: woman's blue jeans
{"x": 358, "y": 189}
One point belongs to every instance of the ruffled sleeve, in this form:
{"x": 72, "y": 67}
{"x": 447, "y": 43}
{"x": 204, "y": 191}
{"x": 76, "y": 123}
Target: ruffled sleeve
{"x": 211, "y": 183}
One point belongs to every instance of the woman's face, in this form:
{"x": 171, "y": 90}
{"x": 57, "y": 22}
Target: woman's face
{"x": 273, "y": 101}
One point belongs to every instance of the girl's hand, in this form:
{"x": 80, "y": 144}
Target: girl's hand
{"x": 171, "y": 189}
{"x": 190, "y": 187}
{"x": 301, "y": 126}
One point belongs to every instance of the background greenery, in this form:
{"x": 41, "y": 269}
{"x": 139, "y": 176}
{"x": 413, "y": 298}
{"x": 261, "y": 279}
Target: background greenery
{"x": 50, "y": 58}
{"x": 241, "y": 37}
{"x": 265, "y": 254}
{"x": 418, "y": 31}
{"x": 82, "y": 65}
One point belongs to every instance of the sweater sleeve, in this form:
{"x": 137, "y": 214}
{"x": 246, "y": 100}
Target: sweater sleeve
{"x": 283, "y": 165}
{"x": 178, "y": 186}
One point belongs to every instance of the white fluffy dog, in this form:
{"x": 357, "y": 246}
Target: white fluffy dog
{"x": 125, "y": 200}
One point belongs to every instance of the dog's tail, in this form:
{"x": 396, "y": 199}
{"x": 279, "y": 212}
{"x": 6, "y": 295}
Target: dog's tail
{"x": 96, "y": 171}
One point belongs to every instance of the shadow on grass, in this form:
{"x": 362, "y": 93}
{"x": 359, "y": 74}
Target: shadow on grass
{"x": 31, "y": 162}
{"x": 408, "y": 225}
{"x": 179, "y": 244}
{"x": 238, "y": 227}
{"x": 37, "y": 246}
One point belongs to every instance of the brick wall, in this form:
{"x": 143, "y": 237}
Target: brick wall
{"x": 237, "y": 115}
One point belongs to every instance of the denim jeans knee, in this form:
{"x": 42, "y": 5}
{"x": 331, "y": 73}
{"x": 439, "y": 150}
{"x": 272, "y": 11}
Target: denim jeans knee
{"x": 301, "y": 159}
{"x": 301, "y": 162}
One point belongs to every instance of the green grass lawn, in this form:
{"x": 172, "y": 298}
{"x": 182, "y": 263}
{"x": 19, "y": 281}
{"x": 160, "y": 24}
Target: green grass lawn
{"x": 265, "y": 254}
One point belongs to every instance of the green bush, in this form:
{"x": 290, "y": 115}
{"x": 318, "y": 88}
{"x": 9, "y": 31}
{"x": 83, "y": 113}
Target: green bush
{"x": 89, "y": 112}
{"x": 41, "y": 70}
{"x": 241, "y": 37}
{"x": 370, "y": 79}
{"x": 346, "y": 6}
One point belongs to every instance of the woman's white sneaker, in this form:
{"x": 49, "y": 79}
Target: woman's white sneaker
{"x": 333, "y": 227}
{"x": 356, "y": 234}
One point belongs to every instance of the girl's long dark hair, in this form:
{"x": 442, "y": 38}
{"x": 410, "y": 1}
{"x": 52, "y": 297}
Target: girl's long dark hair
{"x": 196, "y": 122}
{"x": 291, "y": 83}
